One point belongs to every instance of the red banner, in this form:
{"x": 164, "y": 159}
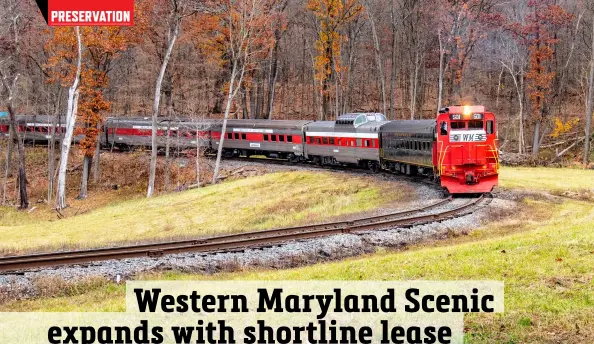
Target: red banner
{"x": 88, "y": 13}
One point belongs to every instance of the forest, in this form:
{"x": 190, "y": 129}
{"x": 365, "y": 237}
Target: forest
{"x": 531, "y": 62}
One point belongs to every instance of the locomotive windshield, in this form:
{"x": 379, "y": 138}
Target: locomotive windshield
{"x": 475, "y": 125}
{"x": 470, "y": 125}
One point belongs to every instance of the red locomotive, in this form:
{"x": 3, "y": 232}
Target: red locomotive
{"x": 466, "y": 156}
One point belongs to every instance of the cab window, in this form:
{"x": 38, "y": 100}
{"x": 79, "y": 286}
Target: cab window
{"x": 458, "y": 125}
{"x": 443, "y": 128}
{"x": 475, "y": 125}
{"x": 490, "y": 127}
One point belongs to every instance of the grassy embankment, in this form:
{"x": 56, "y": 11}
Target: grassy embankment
{"x": 553, "y": 180}
{"x": 269, "y": 201}
{"x": 545, "y": 255}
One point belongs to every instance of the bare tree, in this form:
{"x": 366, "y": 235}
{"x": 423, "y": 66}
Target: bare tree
{"x": 9, "y": 77}
{"x": 442, "y": 69}
{"x": 7, "y": 163}
{"x": 514, "y": 59}
{"x": 247, "y": 30}
{"x": 51, "y": 145}
{"x": 378, "y": 57}
{"x": 174, "y": 27}
{"x": 73, "y": 93}
{"x": 11, "y": 90}
{"x": 590, "y": 102}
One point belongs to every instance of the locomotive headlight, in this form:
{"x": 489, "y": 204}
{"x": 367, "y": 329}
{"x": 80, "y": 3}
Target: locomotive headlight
{"x": 467, "y": 110}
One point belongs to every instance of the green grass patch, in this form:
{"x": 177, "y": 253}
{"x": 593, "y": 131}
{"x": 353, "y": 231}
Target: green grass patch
{"x": 547, "y": 266}
{"x": 546, "y": 179}
{"x": 268, "y": 201}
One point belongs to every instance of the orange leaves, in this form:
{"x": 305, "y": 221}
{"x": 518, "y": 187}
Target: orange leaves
{"x": 90, "y": 107}
{"x": 101, "y": 46}
{"x": 538, "y": 35}
{"x": 62, "y": 51}
{"x": 332, "y": 15}
{"x": 240, "y": 27}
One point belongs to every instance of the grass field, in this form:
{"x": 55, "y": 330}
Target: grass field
{"x": 272, "y": 200}
{"x": 548, "y": 179}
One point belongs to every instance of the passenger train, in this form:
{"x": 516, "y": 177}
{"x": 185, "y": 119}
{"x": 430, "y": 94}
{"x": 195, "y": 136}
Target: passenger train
{"x": 458, "y": 149}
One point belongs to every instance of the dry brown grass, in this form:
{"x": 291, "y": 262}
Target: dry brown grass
{"x": 268, "y": 201}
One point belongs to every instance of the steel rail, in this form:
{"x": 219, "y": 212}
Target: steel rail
{"x": 231, "y": 241}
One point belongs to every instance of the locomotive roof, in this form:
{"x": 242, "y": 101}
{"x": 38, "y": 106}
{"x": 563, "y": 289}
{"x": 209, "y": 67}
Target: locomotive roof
{"x": 426, "y": 126}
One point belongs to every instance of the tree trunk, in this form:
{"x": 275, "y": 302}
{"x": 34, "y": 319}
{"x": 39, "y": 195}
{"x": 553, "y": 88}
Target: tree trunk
{"x": 272, "y": 81}
{"x": 230, "y": 97}
{"x": 378, "y": 61}
{"x": 521, "y": 139}
{"x": 73, "y": 94}
{"x": 253, "y": 92}
{"x": 159, "y": 82}
{"x": 167, "y": 151}
{"x": 70, "y": 120}
{"x": 259, "y": 96}
{"x": 7, "y": 163}
{"x": 87, "y": 162}
{"x": 314, "y": 86}
{"x": 441, "y": 70}
{"x": 51, "y": 163}
{"x": 536, "y": 139}
{"x": 348, "y": 87}
{"x": 327, "y": 80}
{"x": 413, "y": 87}
{"x": 22, "y": 180}
{"x": 198, "y": 157}
{"x": 244, "y": 103}
{"x": 393, "y": 64}
{"x": 22, "y": 176}
{"x": 97, "y": 156}
{"x": 590, "y": 106}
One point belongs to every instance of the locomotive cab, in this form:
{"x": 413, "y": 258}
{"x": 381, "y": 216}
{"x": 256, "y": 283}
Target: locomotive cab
{"x": 466, "y": 158}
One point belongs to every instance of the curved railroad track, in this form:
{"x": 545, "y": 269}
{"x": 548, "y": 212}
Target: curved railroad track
{"x": 240, "y": 240}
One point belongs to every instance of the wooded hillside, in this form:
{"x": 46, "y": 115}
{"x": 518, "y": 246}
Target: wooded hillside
{"x": 529, "y": 61}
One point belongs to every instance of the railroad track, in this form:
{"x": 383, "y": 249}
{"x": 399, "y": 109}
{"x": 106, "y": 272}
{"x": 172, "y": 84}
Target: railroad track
{"x": 236, "y": 241}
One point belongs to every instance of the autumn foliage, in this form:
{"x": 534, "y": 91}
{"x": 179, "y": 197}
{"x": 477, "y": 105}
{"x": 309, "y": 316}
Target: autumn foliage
{"x": 539, "y": 34}
{"x": 331, "y": 15}
{"x": 102, "y": 45}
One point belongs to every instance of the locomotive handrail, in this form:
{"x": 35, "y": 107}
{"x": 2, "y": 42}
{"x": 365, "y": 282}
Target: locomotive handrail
{"x": 496, "y": 156}
{"x": 442, "y": 159}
